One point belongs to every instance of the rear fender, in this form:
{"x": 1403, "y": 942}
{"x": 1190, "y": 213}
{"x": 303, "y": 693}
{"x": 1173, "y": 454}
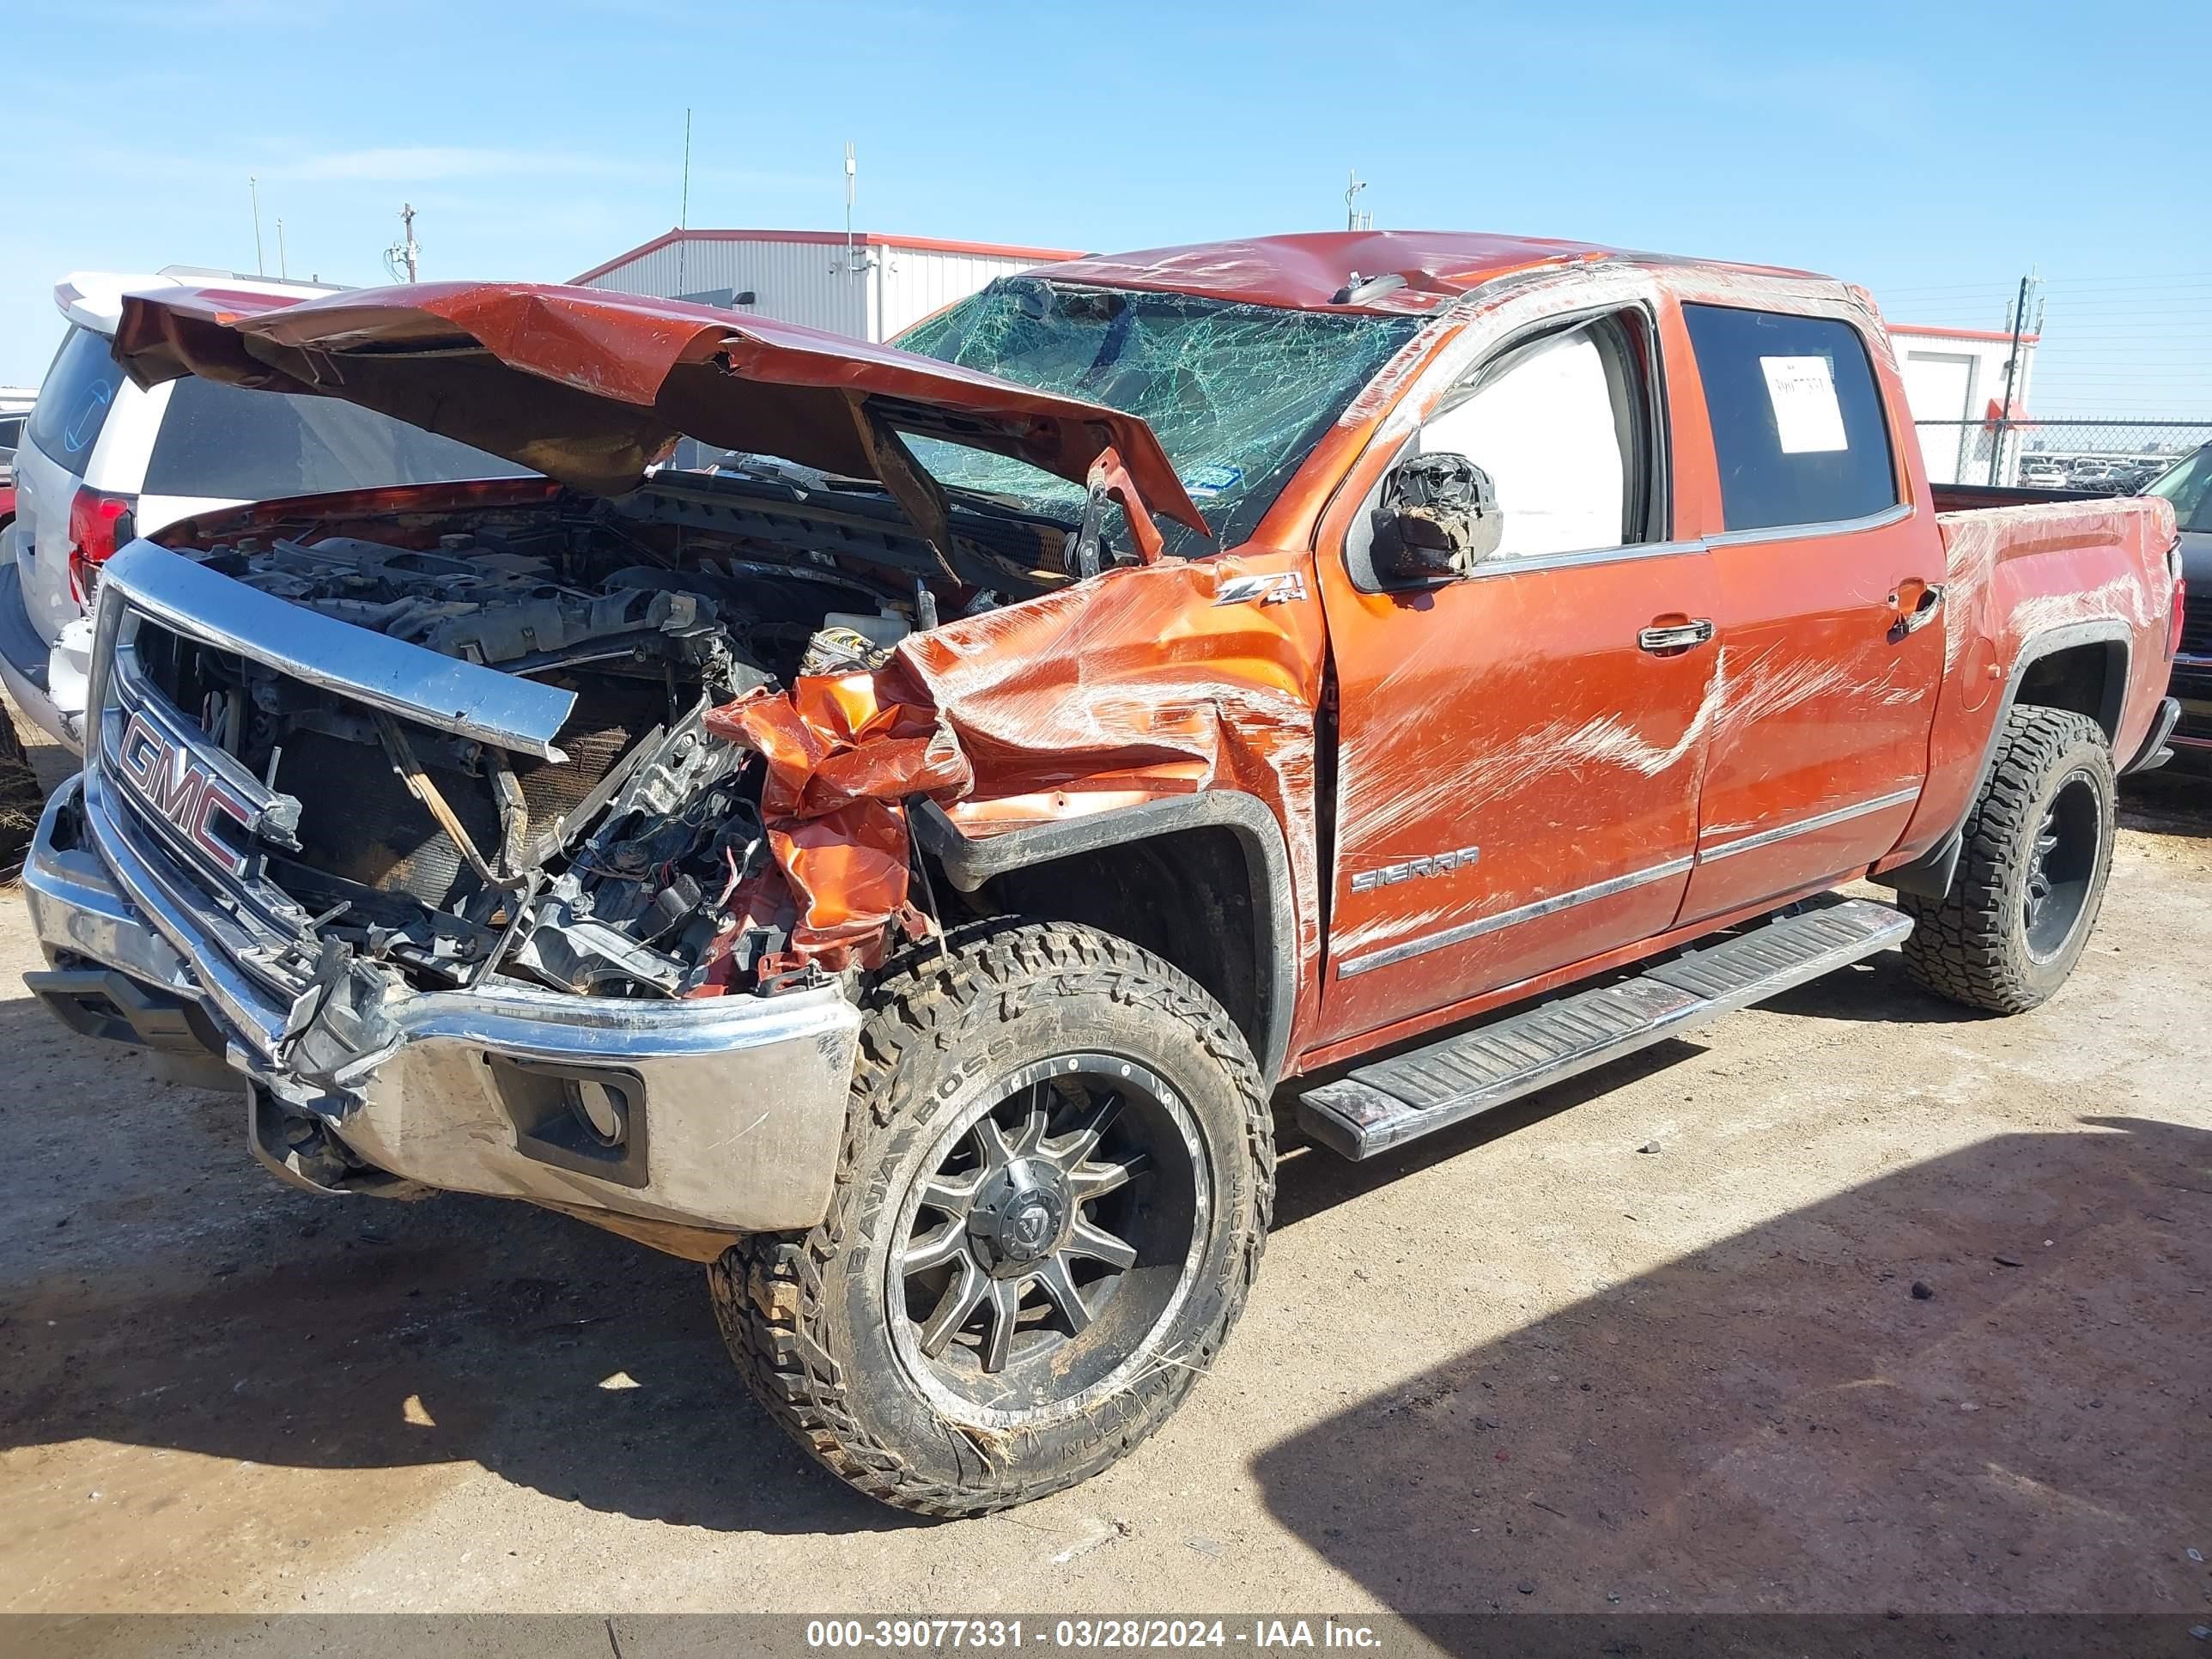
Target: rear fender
{"x": 1929, "y": 875}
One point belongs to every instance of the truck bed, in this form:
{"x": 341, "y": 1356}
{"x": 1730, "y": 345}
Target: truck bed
{"x": 2032, "y": 564}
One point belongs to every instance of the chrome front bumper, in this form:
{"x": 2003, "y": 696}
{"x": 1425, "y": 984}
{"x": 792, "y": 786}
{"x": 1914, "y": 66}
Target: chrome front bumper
{"x": 735, "y": 1105}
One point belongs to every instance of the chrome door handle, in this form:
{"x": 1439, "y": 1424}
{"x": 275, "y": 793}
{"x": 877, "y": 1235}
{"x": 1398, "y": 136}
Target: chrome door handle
{"x": 1922, "y": 613}
{"x": 1679, "y": 637}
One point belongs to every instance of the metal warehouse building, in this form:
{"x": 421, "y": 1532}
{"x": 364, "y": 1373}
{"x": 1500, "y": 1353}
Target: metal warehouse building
{"x": 1954, "y": 381}
{"x": 869, "y": 288}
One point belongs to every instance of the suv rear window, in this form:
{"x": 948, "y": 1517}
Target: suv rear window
{"x": 74, "y": 401}
{"x": 1797, "y": 424}
{"x": 224, "y": 441}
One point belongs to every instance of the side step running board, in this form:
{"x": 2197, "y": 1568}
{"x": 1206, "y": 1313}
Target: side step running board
{"x": 1394, "y": 1101}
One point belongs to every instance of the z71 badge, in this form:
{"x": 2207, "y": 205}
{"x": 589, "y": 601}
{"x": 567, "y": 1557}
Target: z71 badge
{"x": 1278, "y": 588}
{"x": 1436, "y": 864}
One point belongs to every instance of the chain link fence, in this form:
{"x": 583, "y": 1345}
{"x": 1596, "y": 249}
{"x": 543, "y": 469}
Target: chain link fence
{"x": 2112, "y": 457}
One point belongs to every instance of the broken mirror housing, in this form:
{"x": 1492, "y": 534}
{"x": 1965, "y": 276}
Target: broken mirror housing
{"x": 1438, "y": 518}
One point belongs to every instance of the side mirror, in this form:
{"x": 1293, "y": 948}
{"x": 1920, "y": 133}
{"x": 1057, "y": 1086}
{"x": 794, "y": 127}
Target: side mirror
{"x": 1439, "y": 518}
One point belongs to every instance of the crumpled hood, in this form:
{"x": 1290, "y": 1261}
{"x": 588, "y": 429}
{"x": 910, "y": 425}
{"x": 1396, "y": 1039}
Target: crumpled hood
{"x": 590, "y": 387}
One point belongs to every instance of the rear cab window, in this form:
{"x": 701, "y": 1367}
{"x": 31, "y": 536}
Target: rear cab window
{"x": 1798, "y": 428}
{"x": 79, "y": 389}
{"x": 228, "y": 442}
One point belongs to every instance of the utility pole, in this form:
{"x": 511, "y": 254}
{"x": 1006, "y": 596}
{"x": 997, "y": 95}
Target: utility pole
{"x": 253, "y": 190}
{"x": 1353, "y": 186}
{"x": 284, "y": 269}
{"x": 2012, "y": 376}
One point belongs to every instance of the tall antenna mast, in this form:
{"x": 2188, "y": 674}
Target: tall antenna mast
{"x": 253, "y": 190}
{"x": 852, "y": 177}
{"x": 402, "y": 257}
{"x": 283, "y": 270}
{"x": 683, "y": 205}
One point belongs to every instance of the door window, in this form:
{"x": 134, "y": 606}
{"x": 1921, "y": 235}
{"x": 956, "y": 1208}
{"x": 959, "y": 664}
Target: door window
{"x": 1555, "y": 425}
{"x": 1797, "y": 418}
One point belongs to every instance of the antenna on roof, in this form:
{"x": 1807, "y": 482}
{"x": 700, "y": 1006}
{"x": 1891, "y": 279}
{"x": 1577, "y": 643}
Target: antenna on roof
{"x": 401, "y": 258}
{"x": 852, "y": 179}
{"x": 253, "y": 190}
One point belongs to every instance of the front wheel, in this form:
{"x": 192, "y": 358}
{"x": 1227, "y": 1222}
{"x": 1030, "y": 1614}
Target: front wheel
{"x": 2038, "y": 845}
{"x": 1051, "y": 1202}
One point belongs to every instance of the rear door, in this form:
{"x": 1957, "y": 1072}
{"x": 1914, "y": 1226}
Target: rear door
{"x": 1830, "y": 594}
{"x": 1517, "y": 760}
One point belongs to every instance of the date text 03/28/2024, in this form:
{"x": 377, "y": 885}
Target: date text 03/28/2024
{"x": 938, "y": 1635}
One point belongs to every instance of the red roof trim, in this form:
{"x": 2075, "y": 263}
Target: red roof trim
{"x": 1043, "y": 256}
{"x": 1999, "y": 334}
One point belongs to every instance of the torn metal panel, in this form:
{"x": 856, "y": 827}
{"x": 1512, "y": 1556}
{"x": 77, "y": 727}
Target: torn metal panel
{"x": 1131, "y": 687}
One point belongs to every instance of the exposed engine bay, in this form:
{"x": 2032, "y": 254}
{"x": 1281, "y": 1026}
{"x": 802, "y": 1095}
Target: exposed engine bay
{"x": 636, "y": 865}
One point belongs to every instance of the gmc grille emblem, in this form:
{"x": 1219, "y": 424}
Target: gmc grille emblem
{"x": 183, "y": 792}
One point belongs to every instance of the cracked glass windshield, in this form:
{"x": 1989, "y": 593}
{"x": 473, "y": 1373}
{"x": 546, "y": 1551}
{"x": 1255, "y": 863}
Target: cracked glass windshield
{"x": 1239, "y": 394}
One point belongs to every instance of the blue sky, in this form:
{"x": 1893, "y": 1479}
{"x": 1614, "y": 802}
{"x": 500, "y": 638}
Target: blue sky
{"x": 1932, "y": 152}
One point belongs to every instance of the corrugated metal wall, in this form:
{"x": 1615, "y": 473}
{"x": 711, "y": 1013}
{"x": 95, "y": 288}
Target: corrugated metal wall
{"x": 912, "y": 282}
{"x": 794, "y": 281}
{"x": 806, "y": 282}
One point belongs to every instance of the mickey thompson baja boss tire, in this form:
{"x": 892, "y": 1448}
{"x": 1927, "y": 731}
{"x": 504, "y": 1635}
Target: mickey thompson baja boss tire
{"x": 2038, "y": 845}
{"x": 1055, "y": 1185}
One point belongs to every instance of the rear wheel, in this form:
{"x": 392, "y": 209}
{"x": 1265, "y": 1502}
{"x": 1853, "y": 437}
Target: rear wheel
{"x": 1053, "y": 1198}
{"x": 2038, "y": 846}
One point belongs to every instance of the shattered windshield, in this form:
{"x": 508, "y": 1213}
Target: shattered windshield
{"x": 1239, "y": 394}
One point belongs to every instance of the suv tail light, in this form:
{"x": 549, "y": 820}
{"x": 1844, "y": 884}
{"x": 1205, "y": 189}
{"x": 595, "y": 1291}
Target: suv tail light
{"x": 98, "y": 523}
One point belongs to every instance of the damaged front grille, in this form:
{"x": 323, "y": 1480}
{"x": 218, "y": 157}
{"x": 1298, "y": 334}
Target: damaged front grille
{"x": 628, "y": 860}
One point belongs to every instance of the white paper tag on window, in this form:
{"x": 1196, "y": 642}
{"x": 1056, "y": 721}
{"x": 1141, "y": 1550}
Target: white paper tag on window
{"x": 1806, "y": 413}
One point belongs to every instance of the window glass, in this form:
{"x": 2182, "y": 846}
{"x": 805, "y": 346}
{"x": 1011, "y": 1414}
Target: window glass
{"x": 227, "y": 441}
{"x": 11, "y": 430}
{"x": 2189, "y": 487}
{"x": 74, "y": 401}
{"x": 1238, "y": 394}
{"x": 1797, "y": 422}
{"x": 1551, "y": 431}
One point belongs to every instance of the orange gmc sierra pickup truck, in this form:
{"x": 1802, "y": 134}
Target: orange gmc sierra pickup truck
{"x": 909, "y": 826}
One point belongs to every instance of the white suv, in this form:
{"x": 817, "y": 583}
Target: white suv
{"x": 101, "y": 460}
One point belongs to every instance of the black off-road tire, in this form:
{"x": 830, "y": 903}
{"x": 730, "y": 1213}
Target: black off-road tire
{"x": 806, "y": 1317}
{"x": 1972, "y": 945}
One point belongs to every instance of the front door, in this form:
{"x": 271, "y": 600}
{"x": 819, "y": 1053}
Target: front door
{"x": 1519, "y": 750}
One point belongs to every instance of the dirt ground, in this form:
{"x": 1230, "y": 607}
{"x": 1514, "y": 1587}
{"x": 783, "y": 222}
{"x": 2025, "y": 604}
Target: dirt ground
{"x": 1531, "y": 1366}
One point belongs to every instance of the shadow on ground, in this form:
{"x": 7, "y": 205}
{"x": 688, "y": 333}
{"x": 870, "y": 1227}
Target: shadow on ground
{"x": 2168, "y": 802}
{"x": 1781, "y": 1421}
{"x": 230, "y": 1317}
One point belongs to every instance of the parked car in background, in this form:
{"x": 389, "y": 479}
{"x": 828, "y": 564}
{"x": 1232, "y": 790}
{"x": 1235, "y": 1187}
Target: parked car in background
{"x": 14, "y": 407}
{"x": 2188, "y": 485}
{"x": 101, "y": 459}
{"x": 908, "y": 874}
